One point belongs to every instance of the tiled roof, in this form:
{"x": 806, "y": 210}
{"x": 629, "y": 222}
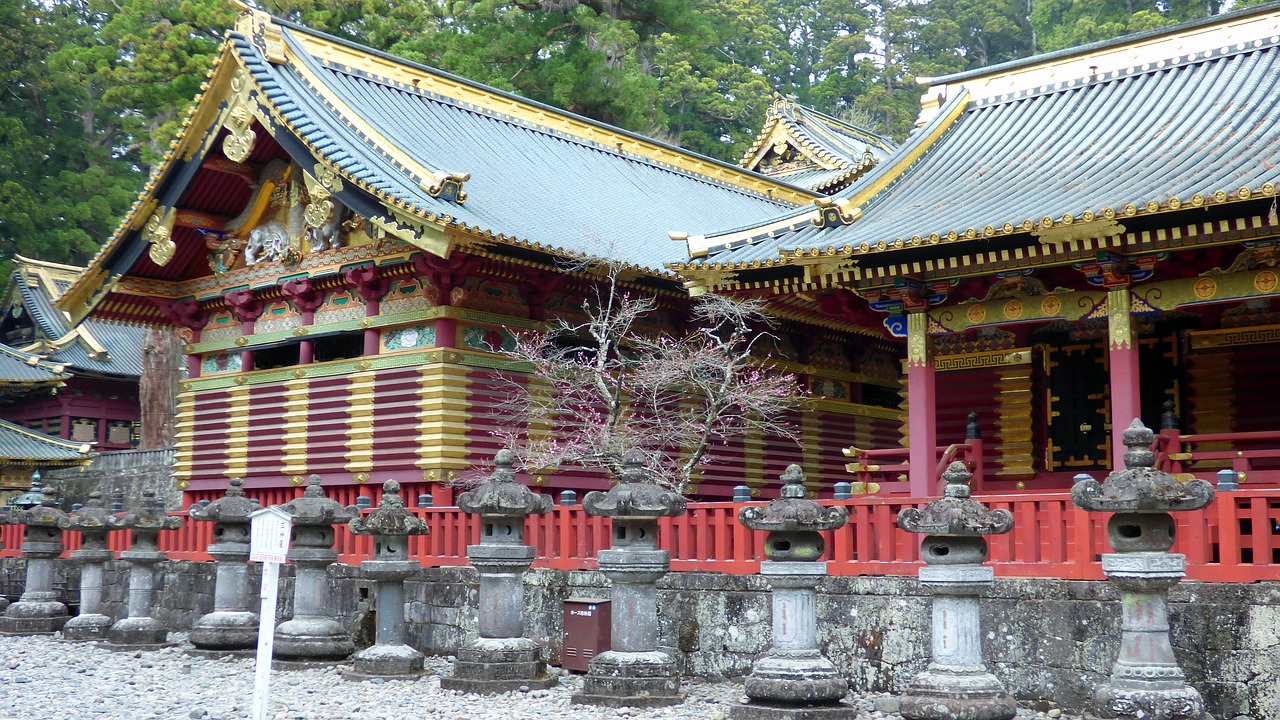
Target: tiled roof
{"x": 93, "y": 345}
{"x": 1178, "y": 134}
{"x": 831, "y": 152}
{"x": 19, "y": 443}
{"x": 529, "y": 183}
{"x": 20, "y": 368}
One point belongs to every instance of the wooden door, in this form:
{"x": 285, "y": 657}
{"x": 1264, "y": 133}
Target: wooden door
{"x": 1079, "y": 413}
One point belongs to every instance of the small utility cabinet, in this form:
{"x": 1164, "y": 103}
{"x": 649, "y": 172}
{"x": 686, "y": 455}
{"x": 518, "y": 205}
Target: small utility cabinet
{"x": 586, "y": 631}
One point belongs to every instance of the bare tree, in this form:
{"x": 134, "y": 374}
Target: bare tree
{"x": 599, "y": 387}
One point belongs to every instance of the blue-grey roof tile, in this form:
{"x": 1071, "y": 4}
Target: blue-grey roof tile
{"x": 19, "y": 443}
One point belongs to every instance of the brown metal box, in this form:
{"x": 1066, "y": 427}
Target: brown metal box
{"x": 586, "y": 631}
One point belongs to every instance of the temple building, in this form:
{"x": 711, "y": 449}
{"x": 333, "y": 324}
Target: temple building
{"x": 64, "y": 390}
{"x": 810, "y": 149}
{"x": 347, "y": 241}
{"x": 1066, "y": 242}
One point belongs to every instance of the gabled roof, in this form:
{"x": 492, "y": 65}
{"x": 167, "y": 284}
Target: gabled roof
{"x": 93, "y": 345}
{"x": 421, "y": 152}
{"x": 810, "y": 149}
{"x": 1076, "y": 158}
{"x": 20, "y": 371}
{"x": 22, "y": 444}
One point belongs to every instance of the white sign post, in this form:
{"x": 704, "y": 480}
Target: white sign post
{"x": 269, "y": 545}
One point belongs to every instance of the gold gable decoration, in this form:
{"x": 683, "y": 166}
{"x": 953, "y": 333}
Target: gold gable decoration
{"x": 158, "y": 234}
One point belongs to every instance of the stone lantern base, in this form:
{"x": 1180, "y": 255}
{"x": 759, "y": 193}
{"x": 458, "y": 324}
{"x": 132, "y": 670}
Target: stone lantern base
{"x": 226, "y": 631}
{"x": 794, "y": 685}
{"x": 630, "y": 679}
{"x": 389, "y": 662}
{"x": 33, "y": 618}
{"x": 947, "y": 695}
{"x": 498, "y": 665}
{"x": 93, "y": 626}
{"x": 135, "y": 631}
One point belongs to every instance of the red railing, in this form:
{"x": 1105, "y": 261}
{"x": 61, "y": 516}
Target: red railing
{"x": 1254, "y": 455}
{"x": 1236, "y": 539}
{"x": 887, "y": 467}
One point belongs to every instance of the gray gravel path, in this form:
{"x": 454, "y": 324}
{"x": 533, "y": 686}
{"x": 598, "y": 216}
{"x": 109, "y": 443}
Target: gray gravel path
{"x": 48, "y": 679}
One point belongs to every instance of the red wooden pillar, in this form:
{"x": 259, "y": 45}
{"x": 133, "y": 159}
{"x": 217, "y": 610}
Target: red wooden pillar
{"x": 246, "y": 308}
{"x": 1122, "y": 361}
{"x": 193, "y": 360}
{"x": 921, "y": 408}
{"x": 306, "y": 299}
{"x": 364, "y": 280}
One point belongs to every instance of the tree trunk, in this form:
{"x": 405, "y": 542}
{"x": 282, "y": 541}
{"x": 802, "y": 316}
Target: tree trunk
{"x": 158, "y": 389}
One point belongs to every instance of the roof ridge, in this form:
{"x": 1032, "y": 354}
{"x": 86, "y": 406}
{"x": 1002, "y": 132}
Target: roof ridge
{"x": 1087, "y": 48}
{"x": 543, "y": 107}
{"x": 1194, "y": 58}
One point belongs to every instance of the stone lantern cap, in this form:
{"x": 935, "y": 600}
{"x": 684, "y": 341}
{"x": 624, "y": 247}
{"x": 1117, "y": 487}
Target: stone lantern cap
{"x": 233, "y": 508}
{"x": 150, "y": 515}
{"x": 390, "y": 517}
{"x": 793, "y": 512}
{"x": 636, "y": 496}
{"x": 46, "y": 514}
{"x": 94, "y": 517}
{"x": 313, "y": 508}
{"x": 1140, "y": 487}
{"x": 500, "y": 496}
{"x": 955, "y": 513}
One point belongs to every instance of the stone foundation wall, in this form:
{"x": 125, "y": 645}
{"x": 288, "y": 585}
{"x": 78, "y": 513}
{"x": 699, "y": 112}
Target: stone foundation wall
{"x": 127, "y": 471}
{"x": 1048, "y": 640}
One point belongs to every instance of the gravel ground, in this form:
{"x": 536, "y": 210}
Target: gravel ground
{"x": 44, "y": 678}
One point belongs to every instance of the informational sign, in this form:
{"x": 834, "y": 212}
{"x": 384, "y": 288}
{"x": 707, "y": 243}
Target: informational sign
{"x": 269, "y": 535}
{"x": 269, "y": 531}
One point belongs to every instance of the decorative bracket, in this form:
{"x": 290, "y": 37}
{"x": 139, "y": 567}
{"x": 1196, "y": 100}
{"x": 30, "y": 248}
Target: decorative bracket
{"x": 835, "y": 212}
{"x": 244, "y": 304}
{"x": 302, "y": 294}
{"x": 365, "y": 281}
{"x": 158, "y": 233}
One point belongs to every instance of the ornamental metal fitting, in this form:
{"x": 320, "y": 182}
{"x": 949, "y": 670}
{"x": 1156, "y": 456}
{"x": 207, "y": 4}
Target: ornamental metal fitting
{"x": 792, "y": 511}
{"x": 313, "y": 508}
{"x": 500, "y": 496}
{"x": 635, "y": 496}
{"x": 1140, "y": 487}
{"x": 233, "y": 508}
{"x": 149, "y": 516}
{"x": 955, "y": 513}
{"x": 93, "y": 518}
{"x": 390, "y": 517}
{"x": 46, "y": 514}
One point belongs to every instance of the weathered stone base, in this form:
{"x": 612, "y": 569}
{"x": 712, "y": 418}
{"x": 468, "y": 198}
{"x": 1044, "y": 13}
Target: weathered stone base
{"x": 387, "y": 661}
{"x": 87, "y": 627}
{"x": 769, "y": 711}
{"x": 1155, "y": 703}
{"x": 795, "y": 678}
{"x": 935, "y": 695}
{"x": 290, "y": 665}
{"x": 497, "y": 665}
{"x": 138, "y": 631}
{"x": 629, "y": 679}
{"x": 312, "y": 640}
{"x": 226, "y": 631}
{"x": 215, "y": 654}
{"x": 351, "y": 675}
{"x": 32, "y": 625}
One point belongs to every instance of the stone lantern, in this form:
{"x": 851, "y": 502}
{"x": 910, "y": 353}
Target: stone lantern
{"x": 232, "y": 625}
{"x": 633, "y": 672}
{"x": 794, "y": 681}
{"x": 390, "y": 525}
{"x": 144, "y": 523}
{"x": 501, "y": 659}
{"x": 313, "y": 634}
{"x": 38, "y": 611}
{"x": 956, "y": 685}
{"x": 93, "y": 521}
{"x": 1146, "y": 681}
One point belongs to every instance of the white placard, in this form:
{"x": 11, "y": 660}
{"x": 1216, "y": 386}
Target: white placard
{"x": 268, "y": 544}
{"x": 269, "y": 535}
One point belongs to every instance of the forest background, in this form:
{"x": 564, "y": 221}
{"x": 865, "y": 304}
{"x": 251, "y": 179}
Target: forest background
{"x": 93, "y": 91}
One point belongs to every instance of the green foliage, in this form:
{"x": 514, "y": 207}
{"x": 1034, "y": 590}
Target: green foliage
{"x": 92, "y": 92}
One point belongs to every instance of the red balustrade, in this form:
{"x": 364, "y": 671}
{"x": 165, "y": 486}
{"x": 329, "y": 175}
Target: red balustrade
{"x": 1236, "y": 539}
